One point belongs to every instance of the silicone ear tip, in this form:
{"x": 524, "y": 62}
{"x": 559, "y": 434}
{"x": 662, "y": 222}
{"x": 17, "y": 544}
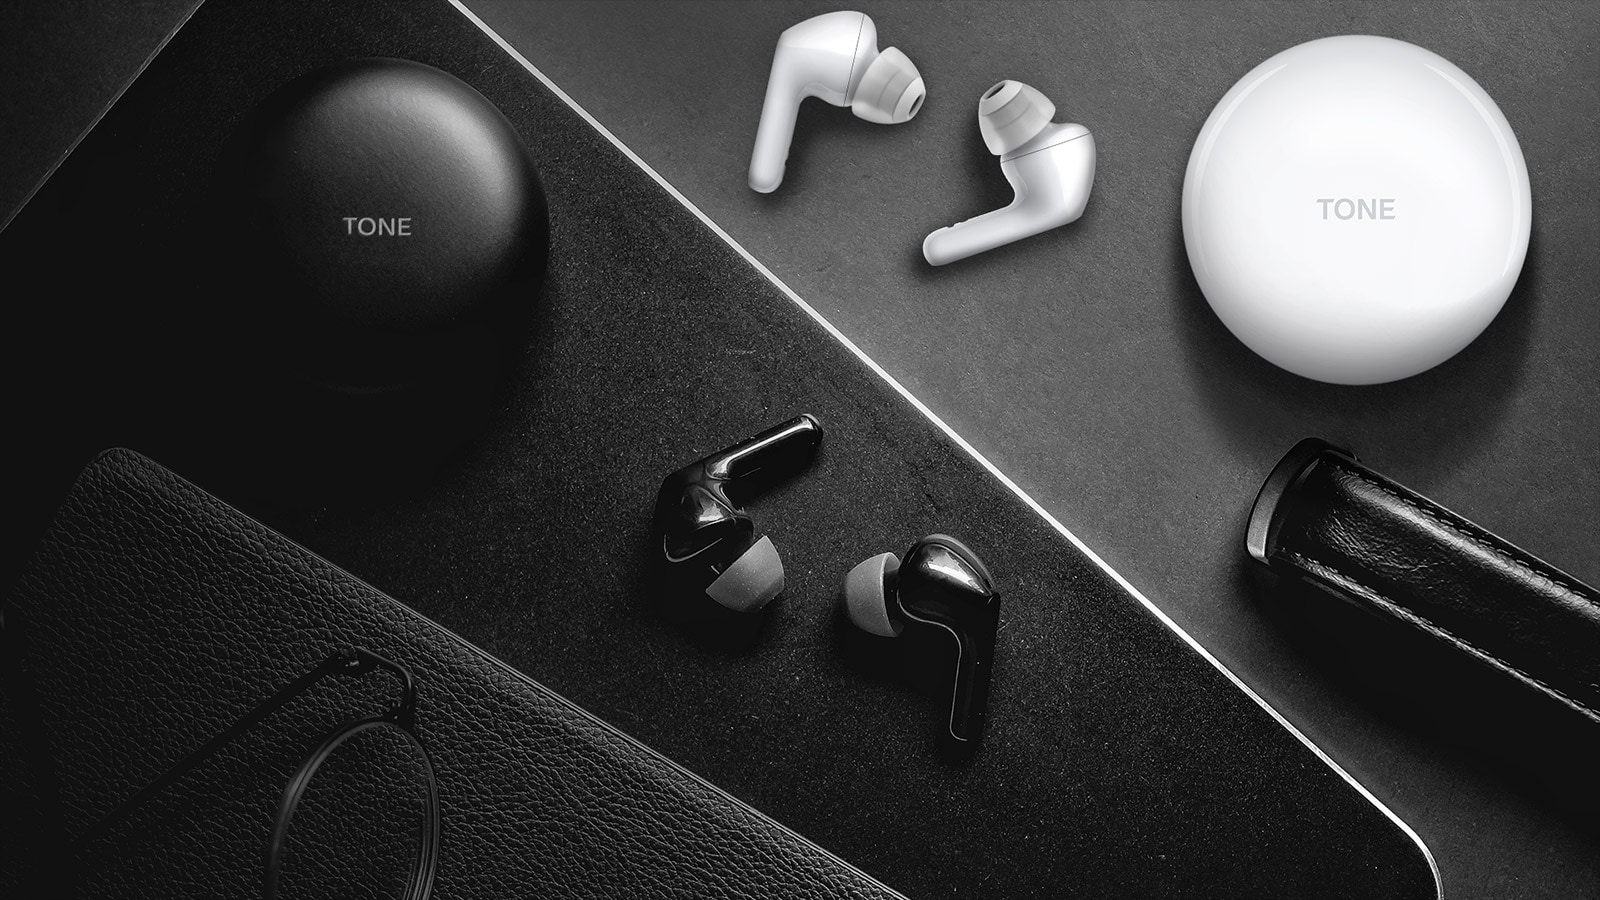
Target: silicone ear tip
{"x": 891, "y": 90}
{"x": 864, "y": 595}
{"x": 753, "y": 579}
{"x": 1010, "y": 114}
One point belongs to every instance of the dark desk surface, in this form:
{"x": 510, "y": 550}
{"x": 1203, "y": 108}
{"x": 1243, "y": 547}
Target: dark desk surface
{"x": 1108, "y": 391}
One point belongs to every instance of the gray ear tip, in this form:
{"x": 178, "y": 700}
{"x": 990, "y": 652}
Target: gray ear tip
{"x": 1012, "y": 113}
{"x": 864, "y": 595}
{"x": 891, "y": 89}
{"x": 752, "y": 581}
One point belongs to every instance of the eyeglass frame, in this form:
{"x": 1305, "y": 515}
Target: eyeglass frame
{"x": 351, "y": 661}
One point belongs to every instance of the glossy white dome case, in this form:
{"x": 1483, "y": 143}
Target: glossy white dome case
{"x": 1356, "y": 209}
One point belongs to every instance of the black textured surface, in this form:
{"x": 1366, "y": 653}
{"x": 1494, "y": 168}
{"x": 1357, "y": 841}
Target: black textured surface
{"x": 157, "y": 616}
{"x": 1117, "y": 761}
{"x": 1385, "y": 547}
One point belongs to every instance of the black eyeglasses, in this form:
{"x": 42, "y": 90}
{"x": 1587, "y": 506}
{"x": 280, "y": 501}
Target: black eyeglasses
{"x": 353, "y": 662}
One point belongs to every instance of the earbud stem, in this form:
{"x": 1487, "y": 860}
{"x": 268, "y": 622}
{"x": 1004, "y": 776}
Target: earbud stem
{"x": 815, "y": 58}
{"x": 986, "y": 232}
{"x": 782, "y": 447}
{"x": 974, "y": 662}
{"x": 1051, "y": 188}
{"x": 770, "y": 157}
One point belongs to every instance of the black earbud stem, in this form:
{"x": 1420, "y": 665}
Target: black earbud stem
{"x": 941, "y": 582}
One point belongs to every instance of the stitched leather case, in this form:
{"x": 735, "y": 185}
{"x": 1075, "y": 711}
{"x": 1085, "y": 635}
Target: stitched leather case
{"x": 1323, "y": 516}
{"x": 157, "y": 614}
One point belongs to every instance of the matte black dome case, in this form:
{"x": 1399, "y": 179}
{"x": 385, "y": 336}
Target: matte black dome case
{"x": 393, "y": 231}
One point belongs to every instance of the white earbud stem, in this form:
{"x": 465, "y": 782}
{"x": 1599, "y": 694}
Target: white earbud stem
{"x": 866, "y": 599}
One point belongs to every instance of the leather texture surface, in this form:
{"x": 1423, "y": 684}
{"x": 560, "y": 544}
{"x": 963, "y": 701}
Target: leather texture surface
{"x": 1405, "y": 557}
{"x": 1116, "y": 760}
{"x": 158, "y": 614}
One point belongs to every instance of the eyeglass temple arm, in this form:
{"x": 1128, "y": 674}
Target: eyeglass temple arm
{"x": 353, "y": 661}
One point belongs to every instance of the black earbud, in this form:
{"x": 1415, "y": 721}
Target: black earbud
{"x": 941, "y": 583}
{"x": 707, "y": 542}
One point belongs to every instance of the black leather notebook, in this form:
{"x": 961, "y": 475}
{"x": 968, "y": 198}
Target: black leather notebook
{"x": 1117, "y": 760}
{"x": 157, "y": 614}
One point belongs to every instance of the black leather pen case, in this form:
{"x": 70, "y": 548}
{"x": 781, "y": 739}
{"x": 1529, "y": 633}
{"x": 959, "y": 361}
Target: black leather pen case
{"x": 1324, "y": 517}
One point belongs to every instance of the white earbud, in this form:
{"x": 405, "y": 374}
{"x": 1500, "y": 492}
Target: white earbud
{"x": 1050, "y": 167}
{"x": 834, "y": 56}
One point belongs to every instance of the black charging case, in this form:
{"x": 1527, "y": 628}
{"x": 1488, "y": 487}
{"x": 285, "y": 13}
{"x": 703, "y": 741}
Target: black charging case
{"x": 394, "y": 233}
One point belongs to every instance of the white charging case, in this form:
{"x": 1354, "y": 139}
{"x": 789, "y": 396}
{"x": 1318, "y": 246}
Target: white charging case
{"x": 1356, "y": 209}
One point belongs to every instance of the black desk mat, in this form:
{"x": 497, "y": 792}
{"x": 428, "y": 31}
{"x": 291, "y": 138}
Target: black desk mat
{"x": 1118, "y": 761}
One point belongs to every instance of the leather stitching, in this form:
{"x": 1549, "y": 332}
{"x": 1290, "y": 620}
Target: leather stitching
{"x": 1332, "y": 574}
{"x": 1481, "y": 538}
